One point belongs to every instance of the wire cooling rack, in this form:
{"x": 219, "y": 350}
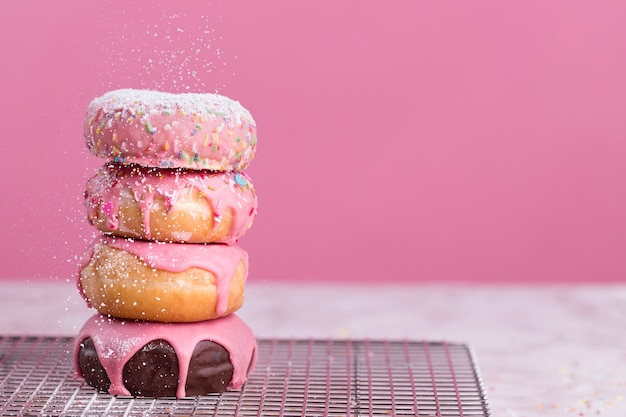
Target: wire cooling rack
{"x": 292, "y": 378}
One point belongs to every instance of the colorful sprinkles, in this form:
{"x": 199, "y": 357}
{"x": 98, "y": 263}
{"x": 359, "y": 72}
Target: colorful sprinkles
{"x": 154, "y": 137}
{"x": 240, "y": 180}
{"x": 113, "y": 120}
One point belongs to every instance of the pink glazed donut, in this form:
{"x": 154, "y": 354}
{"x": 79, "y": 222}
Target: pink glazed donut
{"x": 148, "y": 359}
{"x": 171, "y": 205}
{"x": 166, "y": 130}
{"x": 164, "y": 282}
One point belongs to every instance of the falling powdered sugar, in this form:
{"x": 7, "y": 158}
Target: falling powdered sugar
{"x": 167, "y": 47}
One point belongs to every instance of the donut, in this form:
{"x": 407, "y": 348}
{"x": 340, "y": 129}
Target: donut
{"x": 164, "y": 282}
{"x": 178, "y": 205}
{"x": 150, "y": 359}
{"x": 188, "y": 130}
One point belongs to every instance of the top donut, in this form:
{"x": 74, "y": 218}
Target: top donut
{"x": 166, "y": 130}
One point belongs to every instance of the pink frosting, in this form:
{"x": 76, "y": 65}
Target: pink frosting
{"x": 221, "y": 260}
{"x": 189, "y": 130}
{"x": 116, "y": 341}
{"x": 223, "y": 191}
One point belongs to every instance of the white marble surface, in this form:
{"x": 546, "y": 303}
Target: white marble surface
{"x": 542, "y": 351}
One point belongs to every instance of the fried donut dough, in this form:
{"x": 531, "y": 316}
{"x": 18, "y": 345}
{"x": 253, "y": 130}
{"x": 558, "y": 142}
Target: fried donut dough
{"x": 165, "y": 282}
{"x": 172, "y": 205}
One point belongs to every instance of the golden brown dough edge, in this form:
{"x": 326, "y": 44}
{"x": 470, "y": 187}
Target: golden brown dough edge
{"x": 119, "y": 284}
{"x": 192, "y": 220}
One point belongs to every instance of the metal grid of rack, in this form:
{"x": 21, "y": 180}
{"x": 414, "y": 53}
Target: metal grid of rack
{"x": 292, "y": 378}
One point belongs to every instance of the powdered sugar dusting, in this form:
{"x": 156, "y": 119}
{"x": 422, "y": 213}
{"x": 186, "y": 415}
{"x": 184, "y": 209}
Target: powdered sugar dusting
{"x": 149, "y": 101}
{"x": 115, "y": 348}
{"x": 178, "y": 47}
{"x": 159, "y": 129}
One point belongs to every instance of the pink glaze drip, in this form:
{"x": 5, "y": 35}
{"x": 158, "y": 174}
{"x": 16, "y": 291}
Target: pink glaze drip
{"x": 116, "y": 341}
{"x": 221, "y": 260}
{"x": 189, "y": 130}
{"x": 223, "y": 190}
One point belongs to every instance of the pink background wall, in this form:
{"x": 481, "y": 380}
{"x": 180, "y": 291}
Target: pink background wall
{"x": 405, "y": 141}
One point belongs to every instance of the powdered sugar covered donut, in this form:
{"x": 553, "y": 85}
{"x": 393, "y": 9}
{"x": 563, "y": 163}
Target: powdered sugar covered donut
{"x": 188, "y": 130}
{"x": 178, "y": 205}
{"x": 165, "y": 282}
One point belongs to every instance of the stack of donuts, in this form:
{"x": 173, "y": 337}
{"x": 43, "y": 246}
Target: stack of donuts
{"x": 165, "y": 273}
